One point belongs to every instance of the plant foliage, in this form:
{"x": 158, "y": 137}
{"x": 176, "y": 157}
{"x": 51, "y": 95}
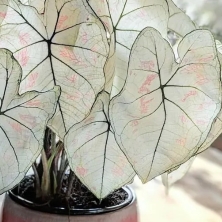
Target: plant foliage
{"x": 131, "y": 102}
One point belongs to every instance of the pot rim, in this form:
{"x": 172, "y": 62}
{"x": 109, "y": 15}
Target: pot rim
{"x": 73, "y": 211}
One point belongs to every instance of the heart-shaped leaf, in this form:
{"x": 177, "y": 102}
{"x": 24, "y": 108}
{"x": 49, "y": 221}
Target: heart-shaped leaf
{"x": 165, "y": 110}
{"x": 124, "y": 20}
{"x": 23, "y": 122}
{"x": 94, "y": 155}
{"x": 65, "y": 46}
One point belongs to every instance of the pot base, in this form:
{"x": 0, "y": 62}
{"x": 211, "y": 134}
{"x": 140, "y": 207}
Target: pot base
{"x": 14, "y": 212}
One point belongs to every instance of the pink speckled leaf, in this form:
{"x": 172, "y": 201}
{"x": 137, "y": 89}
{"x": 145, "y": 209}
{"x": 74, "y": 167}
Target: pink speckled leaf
{"x": 124, "y": 20}
{"x": 93, "y": 153}
{"x": 3, "y": 12}
{"x": 216, "y": 129}
{"x": 23, "y": 122}
{"x": 165, "y": 110}
{"x": 65, "y": 46}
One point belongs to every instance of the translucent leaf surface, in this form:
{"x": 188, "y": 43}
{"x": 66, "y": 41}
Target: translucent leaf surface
{"x": 172, "y": 177}
{"x": 216, "y": 129}
{"x": 101, "y": 9}
{"x": 3, "y": 12}
{"x": 65, "y": 46}
{"x": 38, "y": 4}
{"x": 125, "y": 19}
{"x": 165, "y": 110}
{"x": 94, "y": 155}
{"x": 179, "y": 22}
{"x": 23, "y": 122}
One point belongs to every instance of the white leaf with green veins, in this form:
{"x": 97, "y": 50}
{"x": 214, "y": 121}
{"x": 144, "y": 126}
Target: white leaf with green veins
{"x": 23, "y": 122}
{"x": 165, "y": 110}
{"x": 124, "y": 20}
{"x": 65, "y": 46}
{"x": 94, "y": 155}
{"x": 179, "y": 22}
{"x": 102, "y": 11}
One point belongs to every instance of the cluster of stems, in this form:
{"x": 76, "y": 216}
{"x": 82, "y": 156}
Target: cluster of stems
{"x": 51, "y": 167}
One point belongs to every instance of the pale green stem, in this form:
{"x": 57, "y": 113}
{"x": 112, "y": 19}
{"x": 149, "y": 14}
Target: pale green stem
{"x": 59, "y": 147}
{"x": 45, "y": 186}
{"x": 53, "y": 141}
{"x": 62, "y": 164}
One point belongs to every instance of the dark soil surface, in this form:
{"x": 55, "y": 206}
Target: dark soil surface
{"x": 80, "y": 198}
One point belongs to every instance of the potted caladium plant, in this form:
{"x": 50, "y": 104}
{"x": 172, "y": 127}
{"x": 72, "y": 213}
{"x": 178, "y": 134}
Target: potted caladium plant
{"x": 98, "y": 87}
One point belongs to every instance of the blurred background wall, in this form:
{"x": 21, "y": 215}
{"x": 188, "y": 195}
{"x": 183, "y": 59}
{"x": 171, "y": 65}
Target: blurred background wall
{"x": 206, "y": 13}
